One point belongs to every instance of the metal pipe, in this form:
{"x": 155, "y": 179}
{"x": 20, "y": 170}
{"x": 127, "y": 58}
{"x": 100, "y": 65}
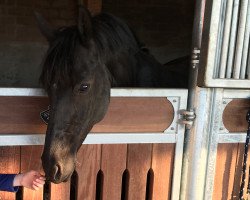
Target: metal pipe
{"x": 246, "y": 45}
{"x": 240, "y": 39}
{"x": 219, "y": 38}
{"x": 192, "y": 87}
{"x": 248, "y": 66}
{"x": 225, "y": 39}
{"x": 232, "y": 39}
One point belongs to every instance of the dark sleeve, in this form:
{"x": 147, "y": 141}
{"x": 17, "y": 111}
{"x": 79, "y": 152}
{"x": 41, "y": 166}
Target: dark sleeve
{"x": 6, "y": 182}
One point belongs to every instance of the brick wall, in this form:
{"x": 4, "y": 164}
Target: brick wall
{"x": 18, "y": 22}
{"x": 165, "y": 26}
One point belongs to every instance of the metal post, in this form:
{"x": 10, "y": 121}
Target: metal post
{"x": 225, "y": 39}
{"x": 232, "y": 39}
{"x": 193, "y": 73}
{"x": 246, "y": 45}
{"x": 240, "y": 39}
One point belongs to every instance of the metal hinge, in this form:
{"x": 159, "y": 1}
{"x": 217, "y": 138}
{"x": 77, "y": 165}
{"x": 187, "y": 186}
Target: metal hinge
{"x": 195, "y": 59}
{"x": 188, "y": 118}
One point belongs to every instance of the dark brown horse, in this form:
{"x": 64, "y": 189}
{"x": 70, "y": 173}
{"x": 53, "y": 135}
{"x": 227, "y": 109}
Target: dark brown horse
{"x": 81, "y": 65}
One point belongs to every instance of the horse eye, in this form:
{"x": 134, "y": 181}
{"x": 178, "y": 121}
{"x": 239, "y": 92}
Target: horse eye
{"x": 83, "y": 87}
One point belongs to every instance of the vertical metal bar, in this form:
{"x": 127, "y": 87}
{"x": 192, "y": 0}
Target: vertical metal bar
{"x": 248, "y": 66}
{"x": 225, "y": 42}
{"x": 176, "y": 183}
{"x": 240, "y": 39}
{"x": 219, "y": 39}
{"x": 232, "y": 39}
{"x": 192, "y": 87}
{"x": 213, "y": 129}
{"x": 246, "y": 45}
{"x": 199, "y": 145}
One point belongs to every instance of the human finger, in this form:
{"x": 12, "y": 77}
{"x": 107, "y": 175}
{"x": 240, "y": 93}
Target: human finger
{"x": 42, "y": 178}
{"x": 39, "y": 181}
{"x": 39, "y": 185}
{"x": 35, "y": 187}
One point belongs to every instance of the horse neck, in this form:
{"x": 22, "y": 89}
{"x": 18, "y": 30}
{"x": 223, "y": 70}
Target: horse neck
{"x": 123, "y": 70}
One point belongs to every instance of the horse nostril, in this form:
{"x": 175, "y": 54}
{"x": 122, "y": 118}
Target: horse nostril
{"x": 57, "y": 172}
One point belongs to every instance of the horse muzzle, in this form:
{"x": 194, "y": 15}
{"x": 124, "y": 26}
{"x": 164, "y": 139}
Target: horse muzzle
{"x": 58, "y": 170}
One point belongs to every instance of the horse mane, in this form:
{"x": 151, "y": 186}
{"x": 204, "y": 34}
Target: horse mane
{"x": 111, "y": 36}
{"x": 60, "y": 58}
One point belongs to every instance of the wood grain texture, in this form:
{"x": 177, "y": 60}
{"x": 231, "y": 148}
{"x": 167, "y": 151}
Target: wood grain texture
{"x": 113, "y": 164}
{"x": 138, "y": 165}
{"x": 22, "y": 115}
{"x": 60, "y": 191}
{"x": 136, "y": 115}
{"x": 234, "y": 115}
{"x": 88, "y": 165}
{"x": 227, "y": 177}
{"x": 31, "y": 160}
{"x": 9, "y": 164}
{"x": 162, "y": 166}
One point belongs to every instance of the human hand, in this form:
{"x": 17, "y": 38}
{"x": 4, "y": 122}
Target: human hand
{"x": 31, "y": 179}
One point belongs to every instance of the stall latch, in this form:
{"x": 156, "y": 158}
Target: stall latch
{"x": 188, "y": 118}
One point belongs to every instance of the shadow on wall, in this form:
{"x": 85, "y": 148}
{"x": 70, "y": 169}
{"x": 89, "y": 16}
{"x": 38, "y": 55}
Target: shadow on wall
{"x": 20, "y": 64}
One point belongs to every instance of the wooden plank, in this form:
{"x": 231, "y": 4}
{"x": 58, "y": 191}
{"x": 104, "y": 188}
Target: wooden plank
{"x": 60, "y": 191}
{"x": 238, "y": 172}
{"x": 226, "y": 163}
{"x": 136, "y": 115}
{"x": 22, "y": 115}
{"x": 138, "y": 165}
{"x": 9, "y": 164}
{"x": 162, "y": 165}
{"x": 31, "y": 160}
{"x": 88, "y": 165}
{"x": 229, "y": 171}
{"x": 113, "y": 165}
{"x": 234, "y": 115}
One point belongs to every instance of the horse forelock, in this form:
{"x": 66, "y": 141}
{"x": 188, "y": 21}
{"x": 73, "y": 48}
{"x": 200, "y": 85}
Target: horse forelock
{"x": 58, "y": 65}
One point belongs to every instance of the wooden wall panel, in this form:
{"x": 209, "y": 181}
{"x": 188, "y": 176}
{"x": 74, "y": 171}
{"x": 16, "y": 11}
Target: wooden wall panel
{"x": 228, "y": 171}
{"x": 129, "y": 115}
{"x": 31, "y": 160}
{"x": 234, "y": 115}
{"x": 88, "y": 165}
{"x": 60, "y": 191}
{"x": 225, "y": 169}
{"x": 138, "y": 165}
{"x": 162, "y": 166}
{"x": 22, "y": 115}
{"x": 113, "y": 165}
{"x": 9, "y": 164}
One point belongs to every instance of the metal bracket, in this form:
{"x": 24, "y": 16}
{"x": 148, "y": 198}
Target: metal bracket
{"x": 188, "y": 118}
{"x": 195, "y": 59}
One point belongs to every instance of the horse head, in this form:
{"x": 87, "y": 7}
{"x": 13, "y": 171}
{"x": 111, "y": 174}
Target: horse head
{"x": 78, "y": 86}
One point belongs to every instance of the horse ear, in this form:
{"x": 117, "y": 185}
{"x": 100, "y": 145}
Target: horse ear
{"x": 84, "y": 23}
{"x": 45, "y": 27}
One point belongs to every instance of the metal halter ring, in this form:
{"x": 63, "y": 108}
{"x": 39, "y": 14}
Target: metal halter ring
{"x": 45, "y": 115}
